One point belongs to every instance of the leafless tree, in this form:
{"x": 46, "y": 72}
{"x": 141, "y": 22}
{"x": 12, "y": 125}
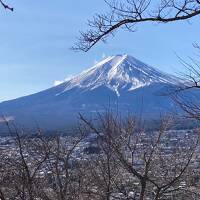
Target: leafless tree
{"x": 130, "y": 13}
{"x": 132, "y": 163}
{"x": 21, "y": 179}
{"x": 143, "y": 167}
{"x": 63, "y": 179}
{"x": 6, "y": 6}
{"x": 186, "y": 94}
{"x": 39, "y": 167}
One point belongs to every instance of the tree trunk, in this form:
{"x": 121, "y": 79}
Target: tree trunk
{"x": 143, "y": 188}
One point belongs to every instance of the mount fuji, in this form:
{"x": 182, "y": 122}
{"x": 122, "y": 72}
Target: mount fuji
{"x": 120, "y": 81}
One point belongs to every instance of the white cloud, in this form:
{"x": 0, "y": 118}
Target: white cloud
{"x": 103, "y": 55}
{"x": 95, "y": 62}
{"x": 58, "y": 82}
{"x": 6, "y": 119}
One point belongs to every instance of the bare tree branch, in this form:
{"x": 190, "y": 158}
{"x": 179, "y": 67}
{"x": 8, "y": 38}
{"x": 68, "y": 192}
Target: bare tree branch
{"x": 186, "y": 94}
{"x": 129, "y": 13}
{"x": 7, "y": 7}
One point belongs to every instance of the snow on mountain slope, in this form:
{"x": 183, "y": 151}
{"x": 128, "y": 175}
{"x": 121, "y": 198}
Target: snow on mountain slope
{"x": 118, "y": 73}
{"x": 121, "y": 81}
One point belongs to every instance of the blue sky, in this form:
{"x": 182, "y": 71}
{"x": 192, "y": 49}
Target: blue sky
{"x": 35, "y": 43}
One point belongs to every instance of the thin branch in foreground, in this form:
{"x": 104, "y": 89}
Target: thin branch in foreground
{"x": 129, "y": 13}
{"x": 7, "y": 7}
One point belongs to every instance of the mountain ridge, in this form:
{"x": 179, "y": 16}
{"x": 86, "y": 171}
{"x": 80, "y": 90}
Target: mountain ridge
{"x": 119, "y": 81}
{"x": 116, "y": 71}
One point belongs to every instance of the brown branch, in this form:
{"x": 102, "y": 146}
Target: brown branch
{"x": 7, "y": 7}
{"x": 129, "y": 13}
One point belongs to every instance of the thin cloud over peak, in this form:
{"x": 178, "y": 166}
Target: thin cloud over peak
{"x": 58, "y": 82}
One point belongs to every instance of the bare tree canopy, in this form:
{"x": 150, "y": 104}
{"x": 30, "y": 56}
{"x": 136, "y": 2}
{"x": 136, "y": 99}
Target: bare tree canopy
{"x": 128, "y": 13}
{"x": 185, "y": 94}
{"x": 130, "y": 164}
{"x": 6, "y": 6}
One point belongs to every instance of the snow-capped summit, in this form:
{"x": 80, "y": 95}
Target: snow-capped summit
{"x": 120, "y": 72}
{"x": 118, "y": 81}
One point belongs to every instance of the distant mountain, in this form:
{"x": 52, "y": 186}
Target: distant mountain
{"x": 120, "y": 82}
